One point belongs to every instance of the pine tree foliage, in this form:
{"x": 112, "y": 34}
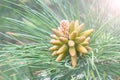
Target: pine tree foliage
{"x": 28, "y": 57}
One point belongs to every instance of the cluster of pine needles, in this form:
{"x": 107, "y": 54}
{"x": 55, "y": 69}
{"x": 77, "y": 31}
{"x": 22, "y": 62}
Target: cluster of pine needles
{"x": 78, "y": 53}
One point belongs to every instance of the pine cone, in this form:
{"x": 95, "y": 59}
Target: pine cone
{"x": 69, "y": 39}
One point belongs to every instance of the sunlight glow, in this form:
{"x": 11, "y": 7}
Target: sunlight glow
{"x": 115, "y": 4}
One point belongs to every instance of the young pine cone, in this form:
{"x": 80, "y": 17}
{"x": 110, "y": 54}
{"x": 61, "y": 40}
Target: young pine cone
{"x": 69, "y": 39}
